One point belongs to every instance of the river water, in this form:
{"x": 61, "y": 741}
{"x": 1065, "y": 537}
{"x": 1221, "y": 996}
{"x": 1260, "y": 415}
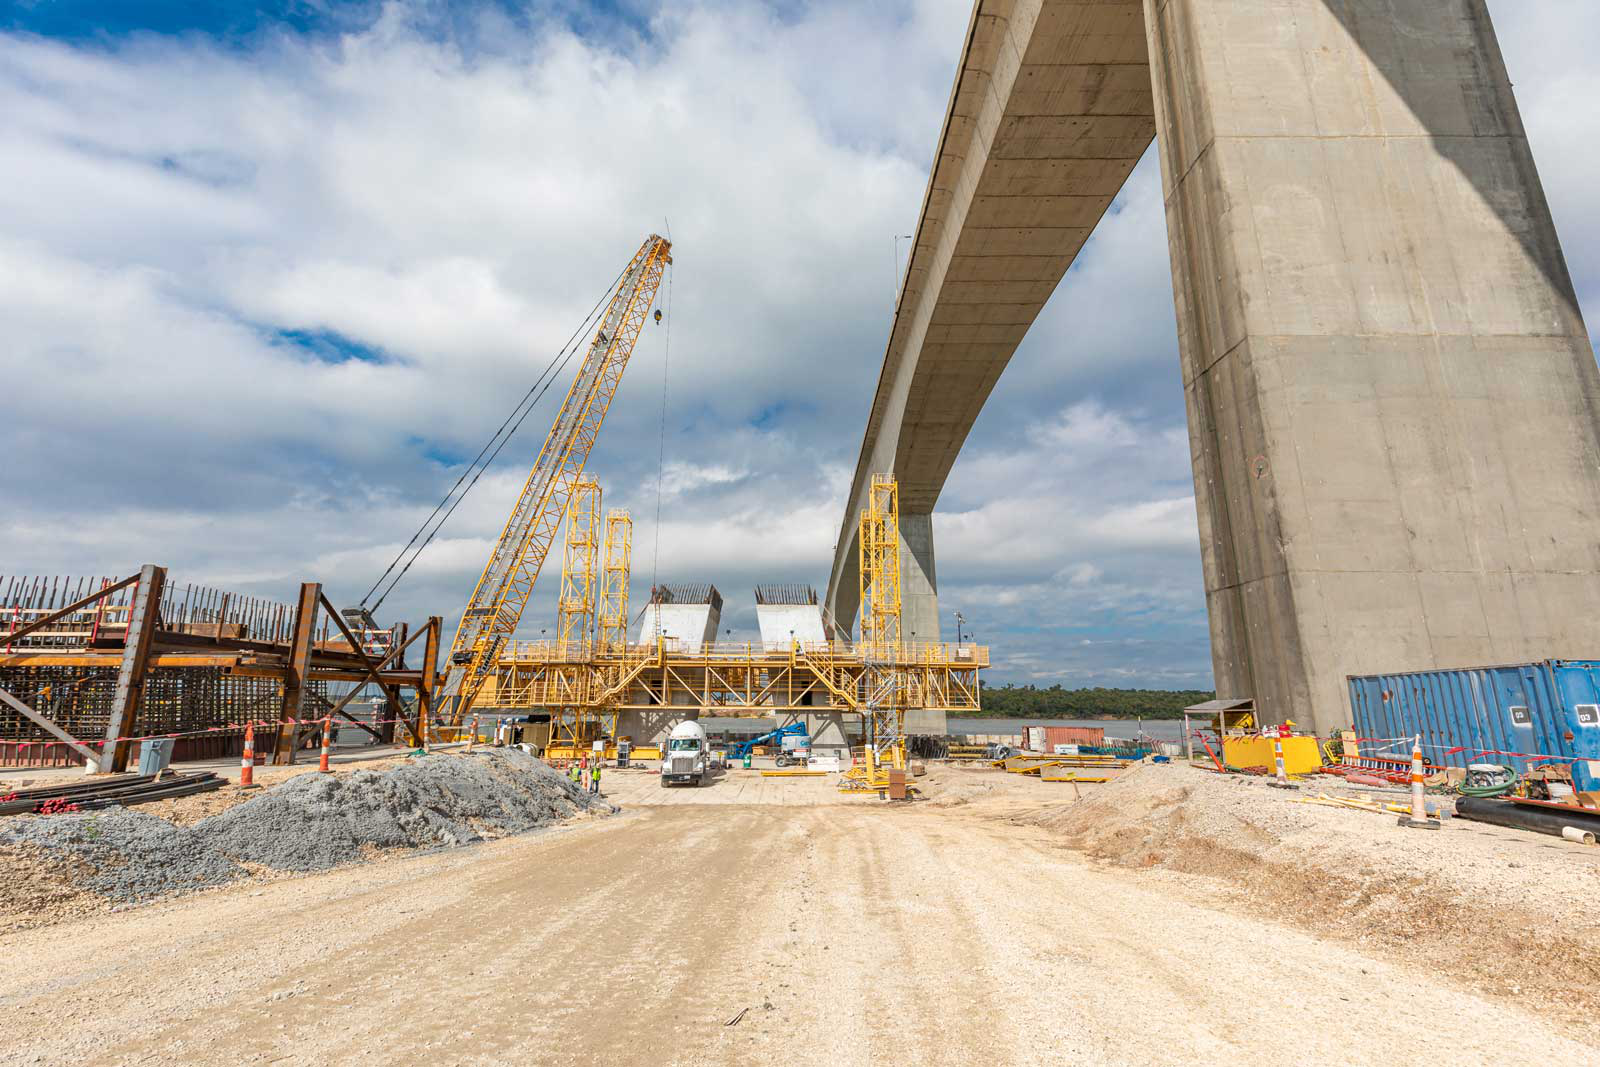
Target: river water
{"x": 1160, "y": 729}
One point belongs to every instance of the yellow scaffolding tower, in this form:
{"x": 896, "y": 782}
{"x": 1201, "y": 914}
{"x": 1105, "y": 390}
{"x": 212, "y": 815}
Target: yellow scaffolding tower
{"x": 575, "y": 609}
{"x": 884, "y": 700}
{"x": 880, "y": 564}
{"x": 614, "y": 580}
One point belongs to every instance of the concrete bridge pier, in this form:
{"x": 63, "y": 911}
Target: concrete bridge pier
{"x": 1394, "y": 408}
{"x": 919, "y": 583}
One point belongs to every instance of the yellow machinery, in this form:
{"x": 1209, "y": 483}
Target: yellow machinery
{"x": 1301, "y": 755}
{"x": 495, "y": 609}
{"x": 614, "y": 687}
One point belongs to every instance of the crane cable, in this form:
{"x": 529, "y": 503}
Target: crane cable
{"x": 530, "y": 400}
{"x": 661, "y": 456}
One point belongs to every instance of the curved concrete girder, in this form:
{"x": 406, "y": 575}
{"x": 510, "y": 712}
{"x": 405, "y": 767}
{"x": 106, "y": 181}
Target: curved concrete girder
{"x": 1051, "y": 110}
{"x": 1394, "y": 407}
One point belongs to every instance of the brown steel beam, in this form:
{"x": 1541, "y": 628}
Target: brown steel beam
{"x": 375, "y": 673}
{"x": 366, "y": 661}
{"x": 111, "y": 659}
{"x": 430, "y": 678}
{"x": 135, "y": 662}
{"x": 387, "y": 679}
{"x": 295, "y": 678}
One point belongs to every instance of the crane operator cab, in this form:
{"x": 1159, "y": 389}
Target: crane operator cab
{"x": 686, "y": 758}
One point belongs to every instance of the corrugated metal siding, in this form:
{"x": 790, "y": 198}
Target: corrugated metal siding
{"x": 1073, "y": 735}
{"x": 1464, "y": 713}
{"x": 1046, "y": 738}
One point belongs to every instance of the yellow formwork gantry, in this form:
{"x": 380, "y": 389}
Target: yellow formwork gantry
{"x": 614, "y": 579}
{"x": 746, "y": 678}
{"x": 580, "y": 570}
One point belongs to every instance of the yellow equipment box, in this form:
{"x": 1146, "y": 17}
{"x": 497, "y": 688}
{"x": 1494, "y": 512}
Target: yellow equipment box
{"x": 1301, "y": 755}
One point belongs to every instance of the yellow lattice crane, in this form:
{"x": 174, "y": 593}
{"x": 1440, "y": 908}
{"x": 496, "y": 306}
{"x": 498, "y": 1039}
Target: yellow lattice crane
{"x": 614, "y": 580}
{"x": 580, "y": 571}
{"x": 495, "y": 609}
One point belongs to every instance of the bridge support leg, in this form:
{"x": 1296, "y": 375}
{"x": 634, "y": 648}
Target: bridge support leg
{"x": 919, "y": 584}
{"x": 1393, "y": 403}
{"x": 919, "y": 604}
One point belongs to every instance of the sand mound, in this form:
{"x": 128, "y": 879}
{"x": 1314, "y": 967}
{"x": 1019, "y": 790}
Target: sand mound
{"x": 1491, "y": 906}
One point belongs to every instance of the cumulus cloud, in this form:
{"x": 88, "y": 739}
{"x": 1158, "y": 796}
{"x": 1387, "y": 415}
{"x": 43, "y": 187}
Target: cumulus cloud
{"x": 266, "y": 289}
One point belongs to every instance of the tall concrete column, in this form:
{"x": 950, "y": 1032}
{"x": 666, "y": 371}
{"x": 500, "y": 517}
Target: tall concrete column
{"x": 919, "y": 604}
{"x": 919, "y": 585}
{"x": 1392, "y": 398}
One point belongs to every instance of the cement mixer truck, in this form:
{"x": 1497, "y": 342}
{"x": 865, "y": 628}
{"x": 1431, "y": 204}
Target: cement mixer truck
{"x": 685, "y": 758}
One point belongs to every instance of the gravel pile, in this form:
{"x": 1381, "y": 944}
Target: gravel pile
{"x": 121, "y": 855}
{"x": 315, "y": 822}
{"x": 310, "y": 823}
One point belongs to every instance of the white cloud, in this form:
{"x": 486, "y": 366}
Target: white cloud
{"x": 172, "y": 206}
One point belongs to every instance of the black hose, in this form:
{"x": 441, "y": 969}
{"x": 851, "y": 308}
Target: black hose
{"x": 1525, "y": 816}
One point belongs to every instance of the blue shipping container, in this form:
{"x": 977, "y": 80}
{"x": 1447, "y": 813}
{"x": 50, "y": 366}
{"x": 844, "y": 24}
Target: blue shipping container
{"x": 1550, "y": 708}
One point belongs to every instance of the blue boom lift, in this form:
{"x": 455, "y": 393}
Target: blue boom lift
{"x": 788, "y": 738}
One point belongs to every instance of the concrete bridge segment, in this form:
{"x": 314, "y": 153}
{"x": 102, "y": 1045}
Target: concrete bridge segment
{"x": 1392, "y": 397}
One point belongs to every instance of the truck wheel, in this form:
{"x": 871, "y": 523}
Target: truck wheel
{"x": 663, "y": 781}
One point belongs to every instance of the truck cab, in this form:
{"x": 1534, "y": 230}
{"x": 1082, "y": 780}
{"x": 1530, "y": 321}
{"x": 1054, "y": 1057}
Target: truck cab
{"x": 684, "y": 758}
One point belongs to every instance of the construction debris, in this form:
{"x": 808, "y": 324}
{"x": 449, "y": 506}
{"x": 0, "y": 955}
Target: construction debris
{"x": 119, "y": 792}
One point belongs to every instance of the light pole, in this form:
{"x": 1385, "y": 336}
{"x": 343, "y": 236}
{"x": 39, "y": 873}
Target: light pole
{"x": 960, "y": 621}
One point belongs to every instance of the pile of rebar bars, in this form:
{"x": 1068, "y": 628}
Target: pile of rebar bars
{"x": 121, "y": 791}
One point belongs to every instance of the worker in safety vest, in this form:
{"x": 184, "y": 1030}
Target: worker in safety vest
{"x": 575, "y": 774}
{"x": 594, "y": 778}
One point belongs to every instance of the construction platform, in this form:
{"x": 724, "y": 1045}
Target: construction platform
{"x": 640, "y": 690}
{"x": 735, "y": 679}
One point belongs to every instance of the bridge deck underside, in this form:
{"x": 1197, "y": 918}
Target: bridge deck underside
{"x": 1051, "y": 111}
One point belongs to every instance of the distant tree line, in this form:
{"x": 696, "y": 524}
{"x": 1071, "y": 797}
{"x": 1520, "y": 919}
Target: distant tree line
{"x": 1032, "y": 702}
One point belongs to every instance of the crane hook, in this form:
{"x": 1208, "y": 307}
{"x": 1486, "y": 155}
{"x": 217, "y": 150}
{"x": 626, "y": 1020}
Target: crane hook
{"x": 658, "y": 315}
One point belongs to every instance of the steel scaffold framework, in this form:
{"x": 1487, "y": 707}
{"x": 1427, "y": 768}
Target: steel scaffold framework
{"x": 884, "y": 701}
{"x": 497, "y": 603}
{"x": 876, "y": 678}
{"x": 618, "y": 567}
{"x": 575, "y": 607}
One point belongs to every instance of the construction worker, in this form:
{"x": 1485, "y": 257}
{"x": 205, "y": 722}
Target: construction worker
{"x": 575, "y": 774}
{"x": 594, "y": 777}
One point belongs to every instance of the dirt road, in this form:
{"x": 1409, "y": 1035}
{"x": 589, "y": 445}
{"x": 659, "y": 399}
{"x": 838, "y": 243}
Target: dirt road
{"x": 849, "y": 932}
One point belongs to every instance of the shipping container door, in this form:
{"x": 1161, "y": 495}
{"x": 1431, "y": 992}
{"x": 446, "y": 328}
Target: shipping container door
{"x": 1577, "y": 687}
{"x": 1515, "y": 714}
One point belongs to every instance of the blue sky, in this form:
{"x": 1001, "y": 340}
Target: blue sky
{"x": 270, "y": 271}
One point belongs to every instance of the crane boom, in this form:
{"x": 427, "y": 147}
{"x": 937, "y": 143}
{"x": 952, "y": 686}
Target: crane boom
{"x": 495, "y": 610}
